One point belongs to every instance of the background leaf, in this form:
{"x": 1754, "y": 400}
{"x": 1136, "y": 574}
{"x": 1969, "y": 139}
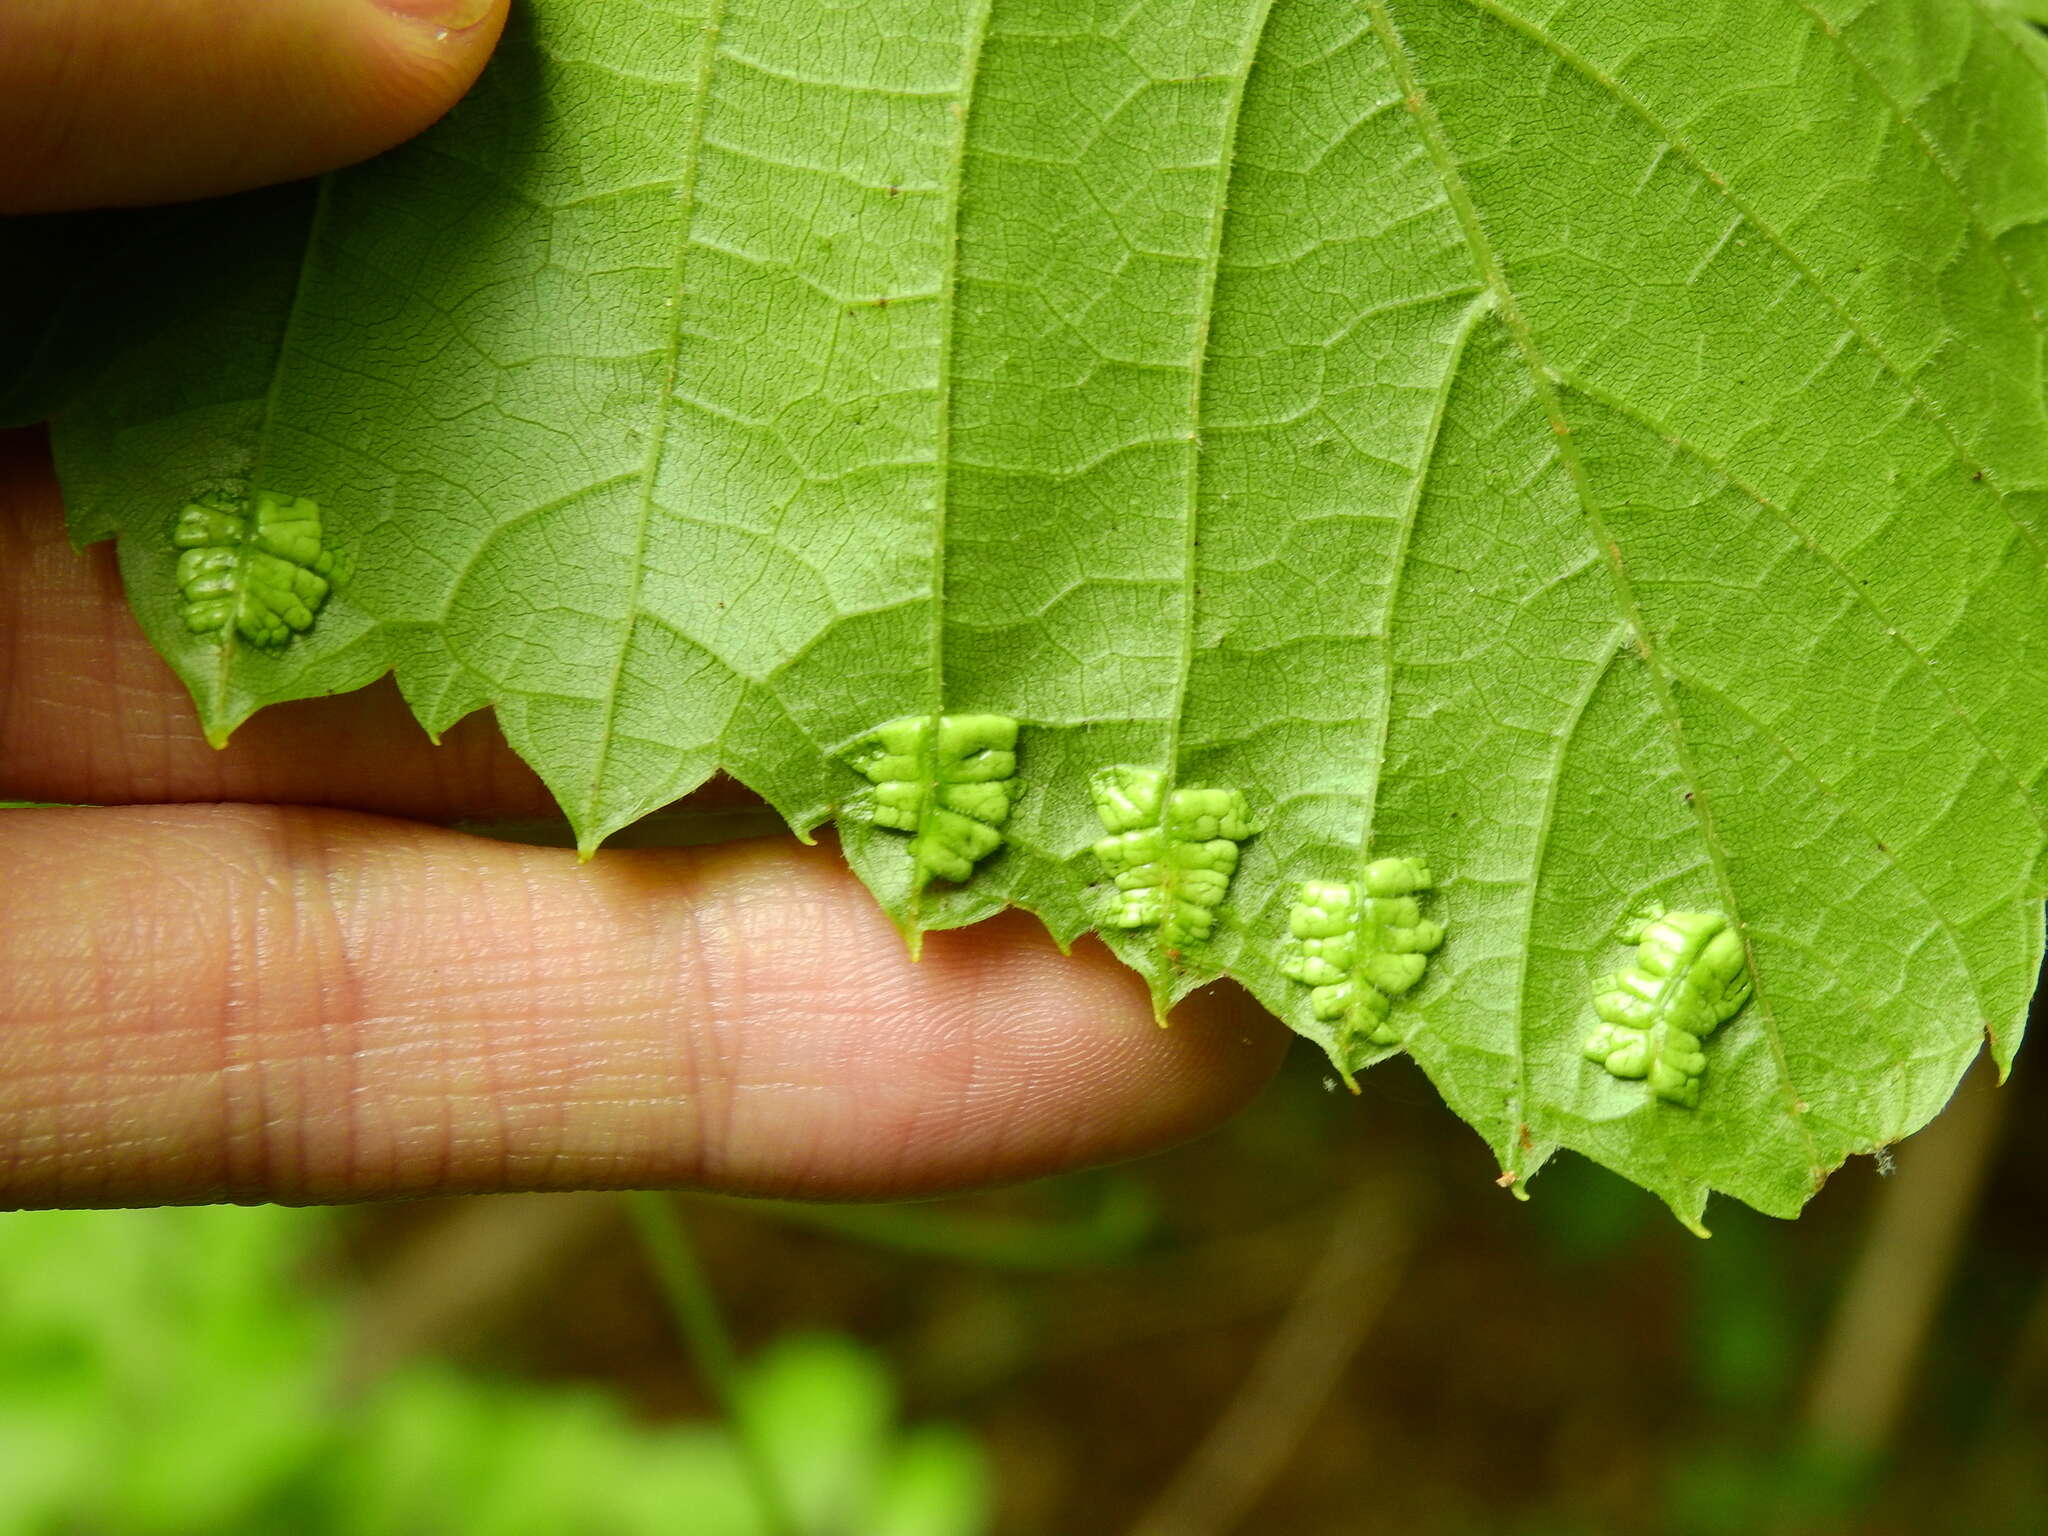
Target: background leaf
{"x": 1597, "y": 450}
{"x": 172, "y": 1371}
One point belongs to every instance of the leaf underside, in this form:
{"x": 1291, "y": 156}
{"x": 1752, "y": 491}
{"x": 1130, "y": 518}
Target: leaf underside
{"x": 1595, "y": 448}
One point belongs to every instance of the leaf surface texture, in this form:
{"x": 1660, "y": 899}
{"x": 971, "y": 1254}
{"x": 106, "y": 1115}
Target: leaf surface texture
{"x": 1595, "y": 449}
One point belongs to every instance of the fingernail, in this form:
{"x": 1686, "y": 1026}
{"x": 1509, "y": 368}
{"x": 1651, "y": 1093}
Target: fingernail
{"x": 448, "y": 15}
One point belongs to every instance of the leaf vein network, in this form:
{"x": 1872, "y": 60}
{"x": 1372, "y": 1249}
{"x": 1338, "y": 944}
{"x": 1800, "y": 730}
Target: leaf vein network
{"x": 657, "y": 437}
{"x": 1212, "y": 278}
{"x": 1544, "y": 389}
{"x": 1856, "y": 589}
{"x": 1899, "y": 110}
{"x": 1585, "y": 67}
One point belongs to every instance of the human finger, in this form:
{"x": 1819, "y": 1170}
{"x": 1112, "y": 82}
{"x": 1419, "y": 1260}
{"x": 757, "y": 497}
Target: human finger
{"x": 120, "y": 102}
{"x": 205, "y": 1003}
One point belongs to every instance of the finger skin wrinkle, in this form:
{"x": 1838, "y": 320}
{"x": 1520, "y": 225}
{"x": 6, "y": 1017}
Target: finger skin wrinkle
{"x": 704, "y": 980}
{"x": 84, "y": 1025}
{"x": 258, "y": 1003}
{"x": 306, "y": 968}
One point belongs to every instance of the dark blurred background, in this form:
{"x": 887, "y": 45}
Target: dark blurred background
{"x": 1323, "y": 1318}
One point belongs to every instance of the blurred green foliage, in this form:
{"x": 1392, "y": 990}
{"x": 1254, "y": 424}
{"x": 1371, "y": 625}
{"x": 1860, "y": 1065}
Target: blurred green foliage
{"x": 171, "y": 1371}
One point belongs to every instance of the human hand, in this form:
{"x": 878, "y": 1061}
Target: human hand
{"x": 313, "y": 993}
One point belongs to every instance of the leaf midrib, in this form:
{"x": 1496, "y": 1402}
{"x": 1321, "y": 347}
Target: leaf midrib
{"x": 1480, "y": 307}
{"x": 1191, "y": 519}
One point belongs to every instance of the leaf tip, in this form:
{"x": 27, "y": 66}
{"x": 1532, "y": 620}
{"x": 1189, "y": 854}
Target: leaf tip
{"x": 1692, "y": 1213}
{"x": 1162, "y": 1000}
{"x": 221, "y": 709}
{"x": 2001, "y": 1055}
{"x": 913, "y": 937}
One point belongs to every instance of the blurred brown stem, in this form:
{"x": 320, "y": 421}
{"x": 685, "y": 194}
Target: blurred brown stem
{"x": 467, "y": 1271}
{"x": 1871, "y": 1356}
{"x": 1300, "y": 1366}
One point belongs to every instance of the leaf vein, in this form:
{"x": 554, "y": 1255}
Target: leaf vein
{"x": 1212, "y": 278}
{"x": 1585, "y": 67}
{"x": 657, "y": 443}
{"x": 1544, "y": 389}
{"x": 1856, "y": 589}
{"x": 1930, "y": 149}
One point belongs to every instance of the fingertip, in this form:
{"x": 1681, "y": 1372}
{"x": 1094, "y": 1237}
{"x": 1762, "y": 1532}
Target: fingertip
{"x": 993, "y": 1057}
{"x": 421, "y": 56}
{"x": 1020, "y": 1060}
{"x": 125, "y": 102}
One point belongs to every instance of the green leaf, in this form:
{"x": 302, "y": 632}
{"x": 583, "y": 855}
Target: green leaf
{"x": 1594, "y": 451}
{"x": 2032, "y": 10}
{"x": 171, "y": 1371}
